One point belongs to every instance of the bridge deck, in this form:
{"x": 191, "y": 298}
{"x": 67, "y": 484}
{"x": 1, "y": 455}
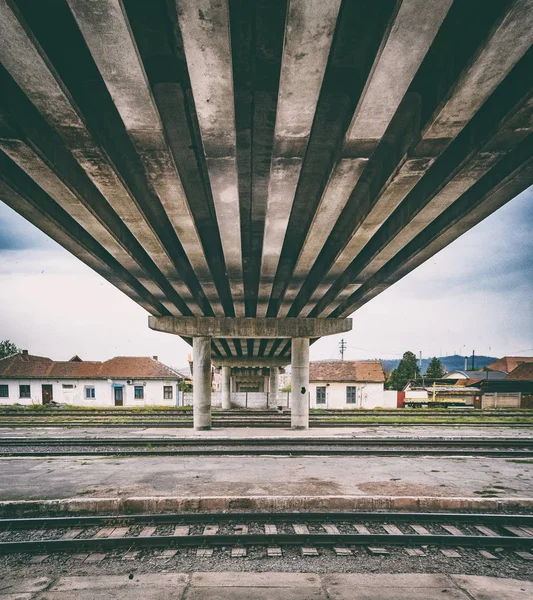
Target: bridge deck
{"x": 263, "y": 158}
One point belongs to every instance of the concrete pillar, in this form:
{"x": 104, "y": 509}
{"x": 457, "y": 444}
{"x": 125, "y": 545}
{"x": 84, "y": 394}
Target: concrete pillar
{"x": 300, "y": 383}
{"x": 273, "y": 385}
{"x": 201, "y": 390}
{"x": 226, "y": 388}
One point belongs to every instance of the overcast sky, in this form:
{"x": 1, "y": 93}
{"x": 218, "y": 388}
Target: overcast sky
{"x": 475, "y": 294}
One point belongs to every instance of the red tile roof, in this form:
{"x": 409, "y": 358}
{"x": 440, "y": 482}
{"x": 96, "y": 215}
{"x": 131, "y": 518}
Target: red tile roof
{"x": 26, "y": 366}
{"x": 346, "y": 370}
{"x": 523, "y": 372}
{"x": 509, "y": 363}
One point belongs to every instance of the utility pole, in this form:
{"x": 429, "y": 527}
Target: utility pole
{"x": 342, "y": 348}
{"x": 473, "y": 360}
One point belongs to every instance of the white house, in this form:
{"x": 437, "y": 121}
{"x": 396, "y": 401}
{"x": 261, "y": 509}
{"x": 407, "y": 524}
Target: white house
{"x": 348, "y": 384}
{"x": 120, "y": 381}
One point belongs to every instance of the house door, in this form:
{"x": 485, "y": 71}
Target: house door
{"x": 48, "y": 395}
{"x": 119, "y": 396}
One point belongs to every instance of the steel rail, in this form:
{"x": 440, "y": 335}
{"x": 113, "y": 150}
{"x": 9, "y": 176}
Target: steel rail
{"x": 256, "y": 424}
{"x": 315, "y": 539}
{"x": 449, "y": 442}
{"x": 517, "y": 454}
{"x": 199, "y": 518}
{"x": 254, "y": 414}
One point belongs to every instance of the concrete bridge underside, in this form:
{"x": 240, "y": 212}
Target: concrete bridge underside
{"x": 262, "y": 158}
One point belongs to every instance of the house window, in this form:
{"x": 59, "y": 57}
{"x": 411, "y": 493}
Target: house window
{"x": 167, "y": 392}
{"x": 25, "y": 391}
{"x": 68, "y": 386}
{"x": 90, "y": 392}
{"x": 139, "y": 392}
{"x": 321, "y": 395}
{"x": 4, "y": 391}
{"x": 351, "y": 394}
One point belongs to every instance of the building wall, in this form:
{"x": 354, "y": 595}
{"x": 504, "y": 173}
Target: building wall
{"x": 368, "y": 395}
{"x": 501, "y": 400}
{"x": 104, "y": 395}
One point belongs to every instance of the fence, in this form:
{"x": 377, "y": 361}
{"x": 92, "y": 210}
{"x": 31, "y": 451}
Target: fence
{"x": 257, "y": 400}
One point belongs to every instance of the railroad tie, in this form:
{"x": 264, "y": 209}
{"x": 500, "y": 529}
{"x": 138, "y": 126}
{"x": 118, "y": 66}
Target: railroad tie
{"x": 518, "y": 531}
{"x": 95, "y": 557}
{"x": 181, "y": 530}
{"x": 168, "y": 553}
{"x": 211, "y": 529}
{"x": 274, "y": 552}
{"x": 448, "y": 553}
{"x": 271, "y": 529}
{"x": 204, "y": 552}
{"x": 485, "y": 530}
{"x": 241, "y": 529}
{"x": 71, "y": 534}
{"x": 309, "y": 551}
{"x": 300, "y": 529}
{"x": 415, "y": 552}
{"x": 147, "y": 532}
{"x": 378, "y": 551}
{"x": 420, "y": 529}
{"x": 105, "y": 532}
{"x": 331, "y": 529}
{"x": 361, "y": 529}
{"x": 487, "y": 554}
{"x": 342, "y": 551}
{"x": 524, "y": 555}
{"x": 238, "y": 552}
{"x": 119, "y": 532}
{"x": 452, "y": 530}
{"x": 392, "y": 529}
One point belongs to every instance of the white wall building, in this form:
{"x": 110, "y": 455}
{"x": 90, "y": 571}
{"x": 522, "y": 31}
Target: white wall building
{"x": 120, "y": 381}
{"x": 348, "y": 384}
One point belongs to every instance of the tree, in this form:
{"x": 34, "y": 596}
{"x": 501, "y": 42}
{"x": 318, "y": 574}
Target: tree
{"x": 435, "y": 369}
{"x": 7, "y": 348}
{"x": 185, "y": 386}
{"x": 404, "y": 372}
{"x": 286, "y": 389}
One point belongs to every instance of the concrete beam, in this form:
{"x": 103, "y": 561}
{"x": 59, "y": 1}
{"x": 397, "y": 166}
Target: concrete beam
{"x": 121, "y": 69}
{"x": 309, "y": 31}
{"x": 474, "y": 206}
{"x": 411, "y": 32}
{"x": 251, "y": 361}
{"x": 248, "y": 327}
{"x": 26, "y": 62}
{"x": 505, "y": 46}
{"x": 69, "y": 234}
{"x": 205, "y": 30}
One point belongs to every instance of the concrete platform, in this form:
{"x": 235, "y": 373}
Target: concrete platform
{"x": 385, "y": 431}
{"x": 268, "y": 482}
{"x": 266, "y": 586}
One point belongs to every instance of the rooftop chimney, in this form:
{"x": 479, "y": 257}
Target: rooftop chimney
{"x": 24, "y": 355}
{"x": 155, "y": 357}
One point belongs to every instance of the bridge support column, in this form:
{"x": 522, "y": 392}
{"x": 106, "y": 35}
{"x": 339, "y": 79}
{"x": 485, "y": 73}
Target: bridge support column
{"x": 273, "y": 385}
{"x": 226, "y": 388}
{"x": 300, "y": 383}
{"x": 201, "y": 382}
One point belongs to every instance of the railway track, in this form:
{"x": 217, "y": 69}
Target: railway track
{"x": 499, "y": 448}
{"x": 257, "y": 414}
{"x": 255, "y": 425}
{"x": 309, "y": 531}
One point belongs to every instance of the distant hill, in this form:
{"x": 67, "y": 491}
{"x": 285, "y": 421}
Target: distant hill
{"x": 451, "y": 363}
